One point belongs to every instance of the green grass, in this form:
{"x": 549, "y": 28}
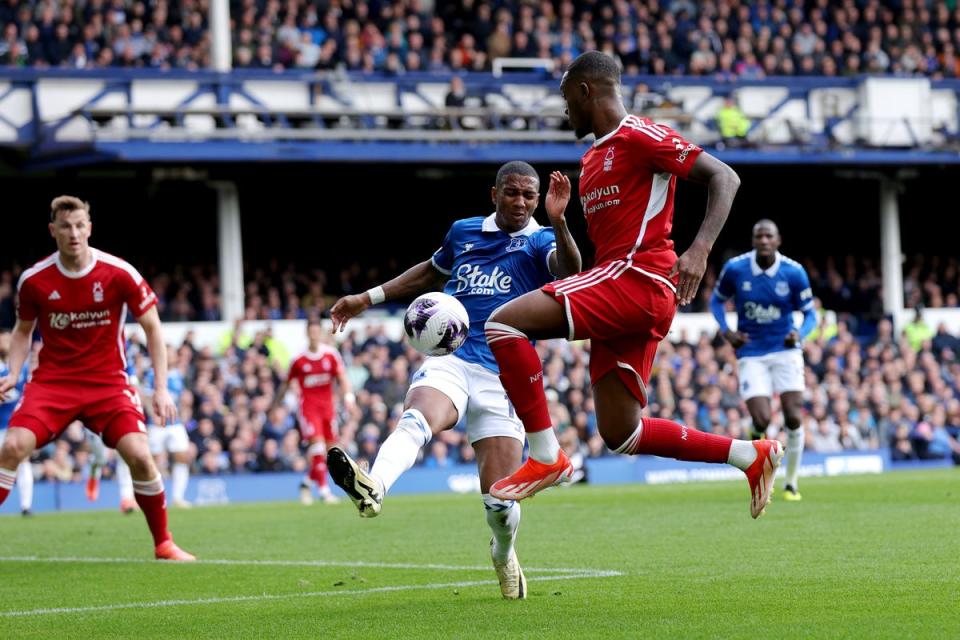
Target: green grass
{"x": 864, "y": 556}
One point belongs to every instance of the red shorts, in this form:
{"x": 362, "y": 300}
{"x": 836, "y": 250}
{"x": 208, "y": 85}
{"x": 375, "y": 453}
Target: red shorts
{"x": 315, "y": 425}
{"x": 112, "y": 411}
{"x": 625, "y": 312}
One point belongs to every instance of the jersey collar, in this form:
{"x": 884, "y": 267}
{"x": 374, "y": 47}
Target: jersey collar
{"x": 771, "y": 271}
{"x": 78, "y": 274}
{"x": 490, "y": 226}
{"x": 601, "y": 140}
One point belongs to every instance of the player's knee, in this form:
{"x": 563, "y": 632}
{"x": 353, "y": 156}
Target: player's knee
{"x": 14, "y": 450}
{"x": 761, "y": 421}
{"x": 141, "y": 464}
{"x": 791, "y": 420}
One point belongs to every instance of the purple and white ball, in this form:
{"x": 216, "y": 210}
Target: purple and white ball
{"x": 436, "y": 324}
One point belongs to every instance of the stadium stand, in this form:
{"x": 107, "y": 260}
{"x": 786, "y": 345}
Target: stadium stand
{"x": 726, "y": 38}
{"x": 862, "y": 394}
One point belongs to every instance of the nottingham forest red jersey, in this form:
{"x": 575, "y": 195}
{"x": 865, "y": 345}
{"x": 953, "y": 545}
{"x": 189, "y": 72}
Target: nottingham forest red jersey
{"x": 315, "y": 372}
{"x": 627, "y": 183}
{"x": 80, "y": 315}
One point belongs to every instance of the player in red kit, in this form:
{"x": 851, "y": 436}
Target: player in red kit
{"x": 314, "y": 372}
{"x": 626, "y": 303}
{"x": 78, "y": 298}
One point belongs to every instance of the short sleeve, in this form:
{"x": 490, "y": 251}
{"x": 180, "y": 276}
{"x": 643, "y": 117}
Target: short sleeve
{"x": 294, "y": 372}
{"x": 664, "y": 149}
{"x": 802, "y": 293}
{"x": 338, "y": 365}
{"x": 726, "y": 286}
{"x": 27, "y": 307}
{"x": 138, "y": 295}
{"x": 544, "y": 243}
{"x": 443, "y": 257}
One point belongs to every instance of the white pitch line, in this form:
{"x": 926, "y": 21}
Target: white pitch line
{"x": 307, "y": 563}
{"x": 286, "y": 596}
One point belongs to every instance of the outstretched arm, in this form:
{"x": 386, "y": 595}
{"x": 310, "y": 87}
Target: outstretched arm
{"x": 722, "y": 184}
{"x": 565, "y": 261}
{"x": 417, "y": 279}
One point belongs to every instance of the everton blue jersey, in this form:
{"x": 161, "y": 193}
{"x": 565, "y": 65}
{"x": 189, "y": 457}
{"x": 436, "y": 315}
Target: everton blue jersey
{"x": 765, "y": 299}
{"x": 175, "y": 382}
{"x": 13, "y": 396}
{"x": 489, "y": 267}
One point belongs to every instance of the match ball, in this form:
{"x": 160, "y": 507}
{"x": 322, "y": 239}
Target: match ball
{"x": 436, "y": 324}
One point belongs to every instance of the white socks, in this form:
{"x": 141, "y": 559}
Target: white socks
{"x": 742, "y": 454}
{"x": 124, "y": 480}
{"x": 795, "y": 441}
{"x": 25, "y": 485}
{"x": 400, "y": 450}
{"x": 544, "y": 446}
{"x": 179, "y": 476}
{"x": 503, "y": 516}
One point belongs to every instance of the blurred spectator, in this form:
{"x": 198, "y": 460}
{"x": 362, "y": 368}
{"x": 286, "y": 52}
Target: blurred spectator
{"x": 732, "y": 123}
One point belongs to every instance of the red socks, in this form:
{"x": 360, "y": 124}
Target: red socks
{"x": 149, "y": 495}
{"x": 7, "y": 478}
{"x": 667, "y": 439}
{"x": 318, "y": 469}
{"x": 521, "y": 373}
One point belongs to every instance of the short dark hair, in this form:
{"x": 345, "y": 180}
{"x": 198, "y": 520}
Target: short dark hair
{"x": 595, "y": 65}
{"x": 767, "y": 222}
{"x": 67, "y": 204}
{"x": 515, "y": 168}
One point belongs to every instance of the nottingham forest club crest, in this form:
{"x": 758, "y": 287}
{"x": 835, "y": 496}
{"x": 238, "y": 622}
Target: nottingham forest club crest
{"x": 608, "y": 160}
{"x": 97, "y": 292}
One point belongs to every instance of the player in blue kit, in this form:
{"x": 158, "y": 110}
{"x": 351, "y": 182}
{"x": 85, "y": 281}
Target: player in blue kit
{"x": 767, "y": 288}
{"x": 7, "y": 405}
{"x": 485, "y": 261}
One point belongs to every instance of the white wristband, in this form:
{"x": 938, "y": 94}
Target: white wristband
{"x": 376, "y": 295}
{"x": 349, "y": 397}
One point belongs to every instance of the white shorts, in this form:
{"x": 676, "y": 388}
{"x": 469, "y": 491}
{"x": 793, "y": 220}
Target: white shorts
{"x": 477, "y": 394}
{"x": 780, "y": 371}
{"x": 172, "y": 438}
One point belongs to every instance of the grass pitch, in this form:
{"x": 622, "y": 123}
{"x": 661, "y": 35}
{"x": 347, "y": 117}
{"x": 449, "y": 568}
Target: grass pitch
{"x": 866, "y": 556}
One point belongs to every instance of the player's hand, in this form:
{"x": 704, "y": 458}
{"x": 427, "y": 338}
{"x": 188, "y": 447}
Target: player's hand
{"x": 164, "y": 408}
{"x": 736, "y": 338}
{"x": 792, "y": 339}
{"x": 6, "y": 384}
{"x": 691, "y": 266}
{"x": 558, "y": 196}
{"x": 346, "y": 308}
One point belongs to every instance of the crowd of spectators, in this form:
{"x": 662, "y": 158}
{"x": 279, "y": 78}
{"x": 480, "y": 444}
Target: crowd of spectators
{"x": 724, "y": 38}
{"x": 902, "y": 392}
{"x": 847, "y": 285}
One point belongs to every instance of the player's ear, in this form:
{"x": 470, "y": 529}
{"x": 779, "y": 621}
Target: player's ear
{"x": 51, "y": 227}
{"x": 493, "y": 194}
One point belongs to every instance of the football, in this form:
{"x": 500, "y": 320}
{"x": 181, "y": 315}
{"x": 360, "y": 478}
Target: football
{"x": 436, "y": 324}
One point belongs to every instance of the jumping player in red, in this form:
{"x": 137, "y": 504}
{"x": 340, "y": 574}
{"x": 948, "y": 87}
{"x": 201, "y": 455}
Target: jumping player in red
{"x": 78, "y": 298}
{"x": 626, "y": 303}
{"x": 314, "y": 372}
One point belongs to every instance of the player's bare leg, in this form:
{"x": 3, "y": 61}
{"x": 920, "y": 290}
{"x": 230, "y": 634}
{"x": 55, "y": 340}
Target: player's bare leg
{"x": 498, "y": 457}
{"x": 792, "y": 403}
{"x": 624, "y": 430}
{"x": 18, "y": 444}
{"x": 149, "y": 493}
{"x": 761, "y": 412}
{"x": 427, "y": 411}
{"x": 532, "y": 316}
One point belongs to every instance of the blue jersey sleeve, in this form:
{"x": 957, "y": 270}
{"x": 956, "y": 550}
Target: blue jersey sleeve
{"x": 726, "y": 286}
{"x": 443, "y": 257}
{"x": 801, "y": 292}
{"x": 544, "y": 243}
